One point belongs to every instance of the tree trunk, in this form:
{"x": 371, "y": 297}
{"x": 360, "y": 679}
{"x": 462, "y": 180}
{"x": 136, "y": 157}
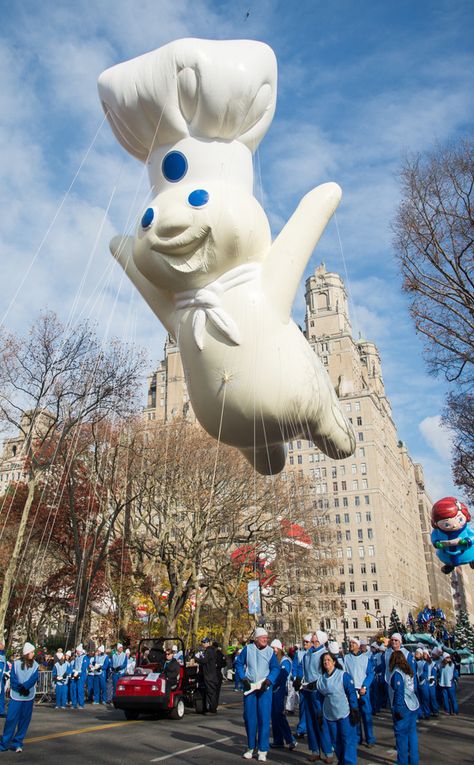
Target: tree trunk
{"x": 195, "y": 621}
{"x": 229, "y": 619}
{"x": 13, "y": 564}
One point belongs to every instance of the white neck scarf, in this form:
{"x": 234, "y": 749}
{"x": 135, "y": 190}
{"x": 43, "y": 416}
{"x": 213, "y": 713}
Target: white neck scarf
{"x": 207, "y": 303}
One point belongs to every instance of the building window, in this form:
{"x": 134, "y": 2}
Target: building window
{"x": 352, "y": 586}
{"x": 368, "y": 517}
{"x": 354, "y": 469}
{"x": 344, "y": 485}
{"x": 337, "y": 518}
{"x": 358, "y": 517}
{"x": 359, "y": 420}
{"x": 361, "y": 552}
{"x": 346, "y": 518}
{"x": 373, "y": 568}
{"x": 339, "y": 536}
{"x": 361, "y": 451}
{"x": 367, "y": 499}
{"x": 355, "y": 485}
{"x": 365, "y": 604}
{"x": 365, "y": 587}
{"x": 298, "y": 444}
{"x": 292, "y": 461}
{"x": 339, "y": 552}
{"x": 363, "y": 468}
{"x": 360, "y": 535}
{"x": 371, "y": 551}
{"x": 341, "y": 572}
{"x": 334, "y": 472}
{"x": 334, "y": 486}
{"x": 342, "y": 469}
{"x": 336, "y": 502}
{"x": 348, "y": 536}
{"x": 365, "y": 483}
{"x": 357, "y": 406}
{"x": 370, "y": 534}
{"x": 360, "y": 436}
{"x": 345, "y": 502}
{"x": 300, "y": 459}
{"x": 348, "y": 407}
{"x": 363, "y": 568}
{"x": 376, "y": 604}
{"x": 375, "y": 586}
{"x": 325, "y": 361}
{"x": 356, "y": 501}
{"x": 354, "y": 605}
{"x": 351, "y": 568}
{"x": 349, "y": 552}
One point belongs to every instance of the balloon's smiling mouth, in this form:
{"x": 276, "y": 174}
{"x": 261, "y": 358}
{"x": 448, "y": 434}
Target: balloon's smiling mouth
{"x": 187, "y": 251}
{"x": 183, "y": 244}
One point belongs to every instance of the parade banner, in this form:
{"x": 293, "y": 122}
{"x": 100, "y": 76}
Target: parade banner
{"x": 253, "y": 589}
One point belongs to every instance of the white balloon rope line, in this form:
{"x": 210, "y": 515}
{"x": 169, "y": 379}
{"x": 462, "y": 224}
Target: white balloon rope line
{"x": 53, "y": 221}
{"x": 346, "y": 274}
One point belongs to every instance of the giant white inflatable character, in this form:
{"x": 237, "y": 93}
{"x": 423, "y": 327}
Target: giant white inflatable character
{"x": 202, "y": 257}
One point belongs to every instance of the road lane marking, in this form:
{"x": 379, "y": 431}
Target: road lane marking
{"x": 91, "y": 729}
{"x": 191, "y": 749}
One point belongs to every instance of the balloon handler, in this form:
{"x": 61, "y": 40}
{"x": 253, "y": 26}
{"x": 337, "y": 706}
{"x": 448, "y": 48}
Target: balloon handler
{"x": 453, "y": 534}
{"x": 23, "y": 679}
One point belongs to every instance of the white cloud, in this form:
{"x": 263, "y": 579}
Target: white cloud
{"x": 437, "y": 437}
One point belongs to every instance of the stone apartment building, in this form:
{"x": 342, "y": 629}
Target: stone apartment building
{"x": 375, "y": 501}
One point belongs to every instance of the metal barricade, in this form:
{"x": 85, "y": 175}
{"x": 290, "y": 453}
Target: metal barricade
{"x": 44, "y": 687}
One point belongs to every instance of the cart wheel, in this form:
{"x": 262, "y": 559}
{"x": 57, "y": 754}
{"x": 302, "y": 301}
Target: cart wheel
{"x": 131, "y": 714}
{"x": 177, "y": 713}
{"x": 199, "y": 704}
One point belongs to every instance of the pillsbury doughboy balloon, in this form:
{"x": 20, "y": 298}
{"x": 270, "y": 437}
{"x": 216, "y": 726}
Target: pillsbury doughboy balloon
{"x": 195, "y": 111}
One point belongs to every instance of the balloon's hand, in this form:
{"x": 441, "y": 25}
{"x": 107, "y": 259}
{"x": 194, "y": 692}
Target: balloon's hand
{"x": 293, "y": 247}
{"x": 159, "y": 301}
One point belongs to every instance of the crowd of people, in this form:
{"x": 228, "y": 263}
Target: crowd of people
{"x": 335, "y": 695}
{"x": 339, "y": 694}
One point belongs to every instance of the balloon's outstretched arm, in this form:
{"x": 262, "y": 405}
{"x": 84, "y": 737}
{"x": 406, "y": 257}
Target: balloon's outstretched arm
{"x": 121, "y": 248}
{"x": 293, "y": 247}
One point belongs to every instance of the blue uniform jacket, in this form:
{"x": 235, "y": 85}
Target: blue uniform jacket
{"x": 15, "y": 685}
{"x": 240, "y": 664}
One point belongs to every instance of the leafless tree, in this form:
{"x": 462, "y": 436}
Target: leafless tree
{"x": 434, "y": 236}
{"x": 52, "y": 383}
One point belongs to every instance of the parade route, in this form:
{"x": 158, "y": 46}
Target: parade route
{"x": 102, "y": 736}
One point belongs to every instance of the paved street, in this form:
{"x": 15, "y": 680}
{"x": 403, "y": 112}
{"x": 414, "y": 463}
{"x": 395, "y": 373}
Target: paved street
{"x": 101, "y": 735}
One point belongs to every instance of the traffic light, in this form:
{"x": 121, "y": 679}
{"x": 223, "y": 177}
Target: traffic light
{"x": 368, "y": 622}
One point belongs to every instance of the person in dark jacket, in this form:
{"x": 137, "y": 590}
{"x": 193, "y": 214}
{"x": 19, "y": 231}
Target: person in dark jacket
{"x": 171, "y": 670}
{"x": 207, "y": 678}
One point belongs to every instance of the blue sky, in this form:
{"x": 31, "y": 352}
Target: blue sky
{"x": 360, "y": 84}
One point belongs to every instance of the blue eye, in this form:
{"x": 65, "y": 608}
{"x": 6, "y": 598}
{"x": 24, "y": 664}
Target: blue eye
{"x": 174, "y": 166}
{"x": 198, "y": 198}
{"x": 147, "y": 218}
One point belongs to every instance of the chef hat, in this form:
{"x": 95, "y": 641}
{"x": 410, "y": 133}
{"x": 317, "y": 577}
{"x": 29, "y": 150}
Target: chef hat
{"x": 59, "y": 654}
{"x": 222, "y": 90}
{"x": 374, "y": 644}
{"x": 80, "y": 648}
{"x": 308, "y": 637}
{"x": 419, "y": 650}
{"x": 322, "y": 636}
{"x": 396, "y": 636}
{"x": 276, "y": 644}
{"x": 119, "y": 645}
{"x": 333, "y": 647}
{"x": 101, "y": 649}
{"x": 260, "y": 632}
{"x": 28, "y": 648}
{"x": 363, "y": 641}
{"x": 174, "y": 648}
{"x": 354, "y": 640}
{"x": 68, "y": 654}
{"x": 446, "y": 655}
